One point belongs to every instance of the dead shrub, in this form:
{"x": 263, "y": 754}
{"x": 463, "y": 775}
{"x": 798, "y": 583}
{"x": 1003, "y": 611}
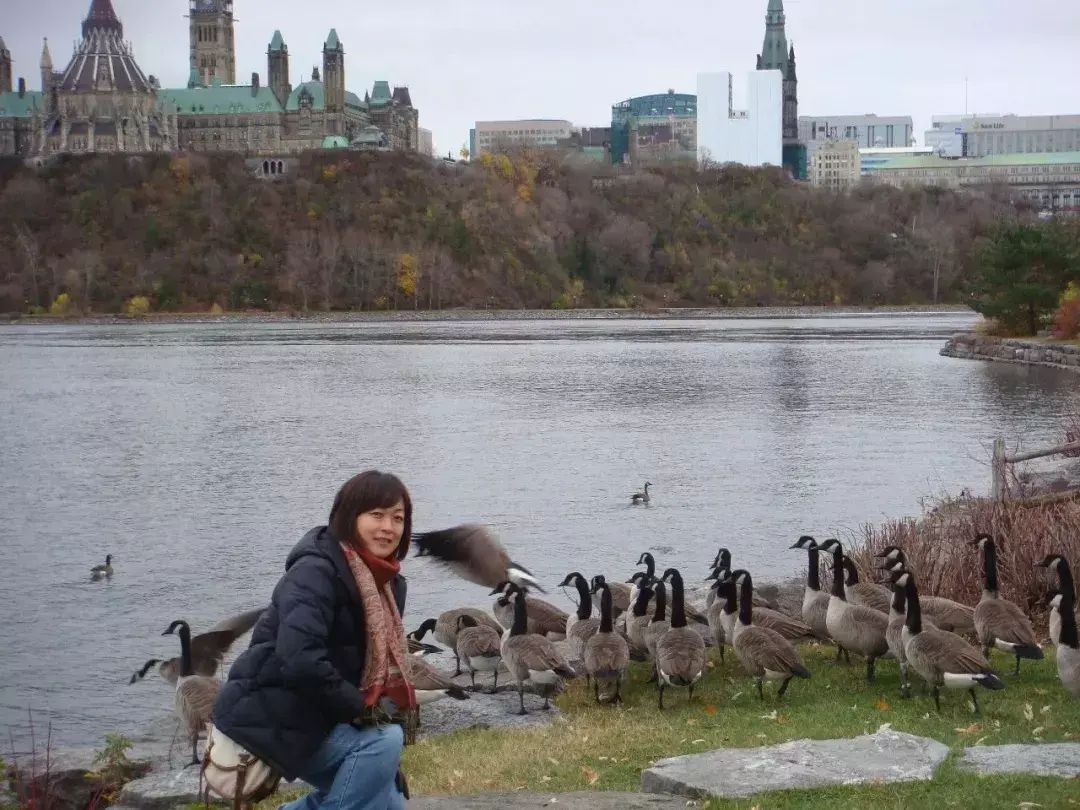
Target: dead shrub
{"x": 940, "y": 551}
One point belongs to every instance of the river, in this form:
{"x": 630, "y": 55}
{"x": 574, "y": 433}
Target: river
{"x": 198, "y": 454}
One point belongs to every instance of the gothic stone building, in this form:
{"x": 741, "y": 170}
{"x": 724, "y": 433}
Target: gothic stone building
{"x": 103, "y": 102}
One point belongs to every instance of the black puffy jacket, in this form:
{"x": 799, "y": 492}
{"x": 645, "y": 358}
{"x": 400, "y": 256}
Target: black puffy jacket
{"x": 299, "y": 677}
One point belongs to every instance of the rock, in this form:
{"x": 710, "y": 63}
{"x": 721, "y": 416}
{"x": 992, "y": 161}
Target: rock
{"x": 584, "y": 800}
{"x": 887, "y": 756}
{"x": 1040, "y": 759}
{"x": 62, "y": 776}
{"x": 162, "y": 791}
{"x": 483, "y": 711}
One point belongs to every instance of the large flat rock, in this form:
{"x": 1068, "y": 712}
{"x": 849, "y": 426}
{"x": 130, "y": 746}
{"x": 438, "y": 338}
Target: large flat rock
{"x": 1037, "y": 759}
{"x": 162, "y": 790}
{"x": 585, "y": 800}
{"x": 887, "y": 756}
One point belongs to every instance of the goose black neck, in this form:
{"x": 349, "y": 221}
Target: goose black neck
{"x": 899, "y": 599}
{"x": 606, "y": 624}
{"x": 1067, "y": 611}
{"x": 1065, "y": 577}
{"x": 187, "y": 668}
{"x": 584, "y": 607}
{"x": 813, "y": 574}
{"x": 661, "y": 603}
{"x": 990, "y": 566}
{"x": 746, "y": 599}
{"x": 913, "y": 620}
{"x": 650, "y": 566}
{"x": 727, "y": 590}
{"x": 838, "y": 575}
{"x": 723, "y": 559}
{"x": 851, "y": 572}
{"x": 641, "y": 604}
{"x": 520, "y": 626}
{"x": 678, "y": 603}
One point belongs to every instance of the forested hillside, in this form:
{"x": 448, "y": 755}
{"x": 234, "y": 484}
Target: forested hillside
{"x": 383, "y": 231}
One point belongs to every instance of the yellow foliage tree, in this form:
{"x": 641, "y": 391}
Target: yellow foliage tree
{"x": 63, "y": 305}
{"x": 137, "y": 305}
{"x": 408, "y": 274}
{"x": 464, "y": 152}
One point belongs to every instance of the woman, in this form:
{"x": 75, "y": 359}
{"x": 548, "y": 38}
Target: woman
{"x": 321, "y": 691}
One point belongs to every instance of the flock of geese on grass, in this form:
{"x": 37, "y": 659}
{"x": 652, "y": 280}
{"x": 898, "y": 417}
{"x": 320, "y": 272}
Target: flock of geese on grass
{"x": 637, "y": 621}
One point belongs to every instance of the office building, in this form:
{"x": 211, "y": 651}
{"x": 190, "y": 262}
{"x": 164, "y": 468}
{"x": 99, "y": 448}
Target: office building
{"x": 489, "y": 136}
{"x": 835, "y": 165}
{"x": 868, "y": 131}
{"x": 992, "y": 134}
{"x": 654, "y": 129}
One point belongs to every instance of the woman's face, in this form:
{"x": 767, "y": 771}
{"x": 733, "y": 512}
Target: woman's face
{"x": 380, "y": 529}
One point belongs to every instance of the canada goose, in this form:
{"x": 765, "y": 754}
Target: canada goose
{"x": 641, "y": 497}
{"x": 606, "y": 654}
{"x": 544, "y": 617}
{"x": 1068, "y": 646}
{"x": 195, "y": 694}
{"x": 638, "y": 580}
{"x": 659, "y": 624}
{"x": 105, "y": 570}
{"x": 640, "y": 616}
{"x": 1055, "y": 562}
{"x": 207, "y": 649}
{"x": 445, "y": 628}
{"x": 946, "y": 614}
{"x": 716, "y": 609}
{"x": 432, "y": 684}
{"x": 723, "y": 561}
{"x": 815, "y": 603}
{"x": 940, "y": 657}
{"x": 894, "y": 634}
{"x": 787, "y": 626}
{"x": 998, "y": 622}
{"x": 763, "y": 652}
{"x": 480, "y": 647}
{"x": 869, "y": 594}
{"x": 694, "y": 615}
{"x": 531, "y": 658}
{"x": 621, "y": 593}
{"x": 858, "y": 628}
{"x": 581, "y": 626}
{"x": 680, "y": 651}
{"x": 474, "y": 554}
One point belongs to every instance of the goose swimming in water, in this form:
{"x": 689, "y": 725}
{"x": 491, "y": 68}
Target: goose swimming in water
{"x": 641, "y": 497}
{"x": 106, "y": 570}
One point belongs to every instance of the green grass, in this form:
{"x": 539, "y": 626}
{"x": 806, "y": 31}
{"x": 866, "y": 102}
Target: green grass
{"x": 607, "y": 748}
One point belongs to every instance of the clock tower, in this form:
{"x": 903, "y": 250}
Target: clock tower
{"x": 213, "y": 46}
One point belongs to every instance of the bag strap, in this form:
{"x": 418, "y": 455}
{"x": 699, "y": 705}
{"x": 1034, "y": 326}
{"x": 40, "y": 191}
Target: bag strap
{"x": 241, "y": 774}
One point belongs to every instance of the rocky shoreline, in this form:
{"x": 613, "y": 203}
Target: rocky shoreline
{"x": 970, "y": 346}
{"x": 665, "y": 313}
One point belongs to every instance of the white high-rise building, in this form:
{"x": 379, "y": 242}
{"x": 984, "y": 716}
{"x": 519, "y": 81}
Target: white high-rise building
{"x": 752, "y": 136}
{"x": 992, "y": 134}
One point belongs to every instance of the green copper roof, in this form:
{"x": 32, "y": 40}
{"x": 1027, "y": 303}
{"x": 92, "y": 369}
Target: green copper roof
{"x": 334, "y": 142}
{"x": 353, "y": 100}
{"x": 11, "y": 106}
{"x": 318, "y": 96}
{"x": 277, "y": 43}
{"x": 776, "y": 5}
{"x": 937, "y": 162}
{"x": 380, "y": 94}
{"x": 220, "y": 100}
{"x": 332, "y": 42}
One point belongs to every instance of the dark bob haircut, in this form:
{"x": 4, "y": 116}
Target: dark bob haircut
{"x": 364, "y": 492}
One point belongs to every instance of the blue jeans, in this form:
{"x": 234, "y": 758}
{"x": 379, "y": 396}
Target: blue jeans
{"x": 354, "y": 769}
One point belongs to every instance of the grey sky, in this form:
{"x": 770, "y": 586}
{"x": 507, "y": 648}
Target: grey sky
{"x": 465, "y": 60}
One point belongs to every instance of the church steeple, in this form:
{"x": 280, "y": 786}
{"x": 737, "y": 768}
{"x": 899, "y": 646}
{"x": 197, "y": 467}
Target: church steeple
{"x": 5, "y": 68}
{"x": 774, "y": 51}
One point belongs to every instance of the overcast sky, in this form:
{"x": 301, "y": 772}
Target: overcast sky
{"x": 468, "y": 60}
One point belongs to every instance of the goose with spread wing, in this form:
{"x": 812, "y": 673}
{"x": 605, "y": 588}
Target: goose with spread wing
{"x": 474, "y": 554}
{"x": 207, "y": 649}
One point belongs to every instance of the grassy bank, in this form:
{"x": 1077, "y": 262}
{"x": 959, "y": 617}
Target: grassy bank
{"x": 607, "y": 748}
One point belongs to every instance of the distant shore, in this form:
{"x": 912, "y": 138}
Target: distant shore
{"x": 667, "y": 313}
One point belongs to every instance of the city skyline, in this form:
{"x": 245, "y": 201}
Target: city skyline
{"x": 495, "y": 62}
